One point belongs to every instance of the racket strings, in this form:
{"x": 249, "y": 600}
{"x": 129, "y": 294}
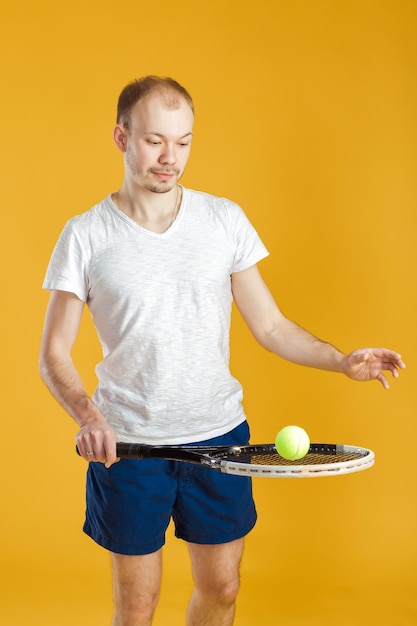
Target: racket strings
{"x": 270, "y": 458}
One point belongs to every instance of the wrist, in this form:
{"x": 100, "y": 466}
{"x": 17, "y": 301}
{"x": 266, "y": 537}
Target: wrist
{"x": 341, "y": 364}
{"x": 86, "y": 412}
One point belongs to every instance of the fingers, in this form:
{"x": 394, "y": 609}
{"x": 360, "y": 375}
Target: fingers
{"x": 389, "y": 366}
{"x": 393, "y": 368}
{"x": 370, "y": 363}
{"x": 97, "y": 445}
{"x": 386, "y": 356}
{"x": 382, "y": 379}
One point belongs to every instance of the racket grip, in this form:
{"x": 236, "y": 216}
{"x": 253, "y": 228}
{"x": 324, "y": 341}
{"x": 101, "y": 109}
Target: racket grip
{"x": 130, "y": 450}
{"x": 126, "y": 450}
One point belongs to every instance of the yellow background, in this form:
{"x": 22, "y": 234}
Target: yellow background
{"x": 306, "y": 116}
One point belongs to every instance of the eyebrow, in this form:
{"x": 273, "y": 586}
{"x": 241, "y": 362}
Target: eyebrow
{"x": 190, "y": 134}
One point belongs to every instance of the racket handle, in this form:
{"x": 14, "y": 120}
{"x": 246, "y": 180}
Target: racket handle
{"x": 130, "y": 450}
{"x": 134, "y": 450}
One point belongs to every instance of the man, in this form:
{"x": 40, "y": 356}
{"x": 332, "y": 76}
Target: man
{"x": 158, "y": 265}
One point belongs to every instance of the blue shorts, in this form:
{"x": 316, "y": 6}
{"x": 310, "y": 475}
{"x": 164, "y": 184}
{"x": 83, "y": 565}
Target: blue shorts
{"x": 130, "y": 505}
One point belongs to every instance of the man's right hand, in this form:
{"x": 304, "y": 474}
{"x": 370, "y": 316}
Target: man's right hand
{"x": 96, "y": 441}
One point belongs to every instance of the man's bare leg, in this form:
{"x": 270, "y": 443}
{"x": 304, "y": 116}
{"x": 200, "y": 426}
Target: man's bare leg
{"x": 136, "y": 587}
{"x": 216, "y": 580}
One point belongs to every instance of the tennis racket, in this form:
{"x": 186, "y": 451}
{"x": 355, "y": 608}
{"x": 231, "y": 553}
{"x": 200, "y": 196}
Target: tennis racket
{"x": 259, "y": 460}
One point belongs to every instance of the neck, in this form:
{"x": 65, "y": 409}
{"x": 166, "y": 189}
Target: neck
{"x": 154, "y": 211}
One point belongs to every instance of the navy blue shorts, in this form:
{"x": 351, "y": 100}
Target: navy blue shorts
{"x": 130, "y": 505}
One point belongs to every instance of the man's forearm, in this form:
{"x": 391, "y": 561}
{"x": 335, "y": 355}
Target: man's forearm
{"x": 293, "y": 343}
{"x": 62, "y": 379}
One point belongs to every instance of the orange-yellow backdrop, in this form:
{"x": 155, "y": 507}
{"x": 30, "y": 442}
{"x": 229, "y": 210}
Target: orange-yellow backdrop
{"x": 306, "y": 115}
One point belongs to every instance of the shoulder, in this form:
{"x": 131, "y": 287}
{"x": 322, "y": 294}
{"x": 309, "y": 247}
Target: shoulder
{"x": 100, "y": 212}
{"x": 205, "y": 199}
{"x": 95, "y": 228}
{"x": 211, "y": 205}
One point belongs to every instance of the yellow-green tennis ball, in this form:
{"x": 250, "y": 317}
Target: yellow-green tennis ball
{"x": 292, "y": 443}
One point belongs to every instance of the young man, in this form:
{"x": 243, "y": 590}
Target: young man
{"x": 158, "y": 265}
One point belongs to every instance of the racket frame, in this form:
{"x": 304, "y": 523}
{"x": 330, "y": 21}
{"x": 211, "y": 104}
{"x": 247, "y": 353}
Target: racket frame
{"x": 218, "y": 459}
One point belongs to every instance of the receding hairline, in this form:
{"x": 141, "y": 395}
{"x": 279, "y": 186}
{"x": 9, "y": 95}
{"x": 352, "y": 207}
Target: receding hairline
{"x": 170, "y": 90}
{"x": 171, "y": 98}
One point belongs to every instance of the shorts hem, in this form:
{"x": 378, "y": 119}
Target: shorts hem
{"x": 123, "y": 548}
{"x": 219, "y": 538}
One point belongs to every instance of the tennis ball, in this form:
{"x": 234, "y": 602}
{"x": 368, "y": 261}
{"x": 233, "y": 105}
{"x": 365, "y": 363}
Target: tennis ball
{"x": 292, "y": 443}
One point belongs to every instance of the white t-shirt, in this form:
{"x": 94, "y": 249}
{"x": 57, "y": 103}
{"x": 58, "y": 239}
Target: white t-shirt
{"x": 161, "y": 304}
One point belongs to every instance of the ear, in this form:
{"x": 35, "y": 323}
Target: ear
{"x": 120, "y": 137}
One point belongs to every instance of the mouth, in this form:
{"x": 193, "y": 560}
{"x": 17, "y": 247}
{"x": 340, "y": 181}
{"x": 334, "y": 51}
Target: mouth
{"x": 164, "y": 175}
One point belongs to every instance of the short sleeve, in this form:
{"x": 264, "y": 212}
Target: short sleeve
{"x": 67, "y": 269}
{"x": 248, "y": 246}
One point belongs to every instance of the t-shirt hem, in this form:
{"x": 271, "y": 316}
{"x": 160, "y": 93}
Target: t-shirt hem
{"x": 211, "y": 433}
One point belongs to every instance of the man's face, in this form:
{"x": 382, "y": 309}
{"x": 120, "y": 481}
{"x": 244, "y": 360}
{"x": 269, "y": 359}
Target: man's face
{"x": 157, "y": 144}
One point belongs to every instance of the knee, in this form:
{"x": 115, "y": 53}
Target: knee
{"x": 136, "y": 612}
{"x": 228, "y": 592}
{"x": 221, "y": 591}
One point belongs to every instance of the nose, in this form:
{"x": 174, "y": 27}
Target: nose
{"x": 167, "y": 156}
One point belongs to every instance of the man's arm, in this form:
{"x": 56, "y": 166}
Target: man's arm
{"x": 62, "y": 323}
{"x": 283, "y": 337}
